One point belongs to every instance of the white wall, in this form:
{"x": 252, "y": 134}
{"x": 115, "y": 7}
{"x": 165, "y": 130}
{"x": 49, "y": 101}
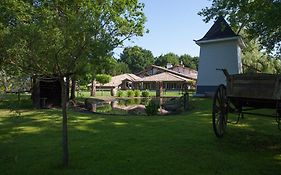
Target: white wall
{"x": 220, "y": 54}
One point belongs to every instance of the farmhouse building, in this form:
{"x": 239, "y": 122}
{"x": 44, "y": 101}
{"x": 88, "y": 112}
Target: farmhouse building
{"x": 154, "y": 78}
{"x": 123, "y": 81}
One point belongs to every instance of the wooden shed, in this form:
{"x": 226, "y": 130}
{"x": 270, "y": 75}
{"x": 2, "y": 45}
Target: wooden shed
{"x": 46, "y": 92}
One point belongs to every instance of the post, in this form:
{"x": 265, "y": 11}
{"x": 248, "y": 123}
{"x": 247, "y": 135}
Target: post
{"x": 113, "y": 91}
{"x": 159, "y": 89}
{"x": 185, "y": 101}
{"x": 93, "y": 88}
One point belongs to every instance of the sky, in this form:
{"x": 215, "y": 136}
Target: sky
{"x": 172, "y": 25}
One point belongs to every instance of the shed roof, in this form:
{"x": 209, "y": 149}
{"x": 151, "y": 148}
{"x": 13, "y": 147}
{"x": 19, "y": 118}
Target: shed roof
{"x": 219, "y": 30}
{"x": 163, "y": 77}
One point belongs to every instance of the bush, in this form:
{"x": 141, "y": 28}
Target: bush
{"x": 120, "y": 93}
{"x": 145, "y": 94}
{"x": 137, "y": 101}
{"x": 137, "y": 93}
{"x": 130, "y": 93}
{"x": 152, "y": 108}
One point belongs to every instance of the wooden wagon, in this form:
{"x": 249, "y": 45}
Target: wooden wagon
{"x": 243, "y": 93}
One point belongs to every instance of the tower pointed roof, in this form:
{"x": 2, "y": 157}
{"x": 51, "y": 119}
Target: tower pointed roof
{"x": 219, "y": 30}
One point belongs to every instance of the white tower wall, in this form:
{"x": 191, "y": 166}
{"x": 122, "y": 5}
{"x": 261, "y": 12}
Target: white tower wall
{"x": 222, "y": 54}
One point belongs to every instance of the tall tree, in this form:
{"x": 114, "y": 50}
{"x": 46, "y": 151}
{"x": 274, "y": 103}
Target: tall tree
{"x": 260, "y": 19}
{"x": 121, "y": 68}
{"x": 56, "y": 37}
{"x": 189, "y": 61}
{"x": 255, "y": 60}
{"x": 163, "y": 60}
{"x": 137, "y": 58}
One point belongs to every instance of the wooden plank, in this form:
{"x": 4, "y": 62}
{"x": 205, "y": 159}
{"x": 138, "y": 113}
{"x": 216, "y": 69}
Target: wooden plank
{"x": 259, "y": 86}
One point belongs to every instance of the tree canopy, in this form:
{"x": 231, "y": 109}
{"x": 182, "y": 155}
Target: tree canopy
{"x": 103, "y": 78}
{"x": 260, "y": 19}
{"x": 56, "y": 38}
{"x": 52, "y": 37}
{"x": 171, "y": 58}
{"x": 189, "y": 61}
{"x": 137, "y": 58}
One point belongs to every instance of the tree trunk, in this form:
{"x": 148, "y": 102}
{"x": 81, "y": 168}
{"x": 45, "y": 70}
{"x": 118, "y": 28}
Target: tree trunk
{"x": 93, "y": 88}
{"x": 36, "y": 92}
{"x": 64, "y": 123}
{"x": 67, "y": 88}
{"x": 73, "y": 88}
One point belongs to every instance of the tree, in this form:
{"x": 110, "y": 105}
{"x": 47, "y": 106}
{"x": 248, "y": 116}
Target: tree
{"x": 189, "y": 61}
{"x": 55, "y": 38}
{"x": 137, "y": 58}
{"x": 255, "y": 60}
{"x": 105, "y": 64}
{"x": 260, "y": 19}
{"x": 163, "y": 60}
{"x": 103, "y": 78}
{"x": 121, "y": 68}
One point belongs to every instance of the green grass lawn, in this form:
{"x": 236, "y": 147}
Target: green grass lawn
{"x": 102, "y": 144}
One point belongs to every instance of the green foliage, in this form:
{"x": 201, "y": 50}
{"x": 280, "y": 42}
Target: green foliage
{"x": 172, "y": 58}
{"x": 137, "y": 93}
{"x": 137, "y": 58}
{"x": 60, "y": 37}
{"x": 67, "y": 34}
{"x": 120, "y": 93}
{"x": 145, "y": 93}
{"x": 189, "y": 61}
{"x": 191, "y": 82}
{"x": 103, "y": 78}
{"x": 255, "y": 60}
{"x": 121, "y": 68}
{"x": 137, "y": 101}
{"x": 14, "y": 81}
{"x": 130, "y": 93}
{"x": 152, "y": 108}
{"x": 259, "y": 18}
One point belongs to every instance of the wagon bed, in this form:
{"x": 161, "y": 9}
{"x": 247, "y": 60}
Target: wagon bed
{"x": 257, "y": 86}
{"x": 242, "y": 93}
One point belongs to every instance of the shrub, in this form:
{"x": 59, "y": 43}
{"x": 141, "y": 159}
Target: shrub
{"x": 120, "y": 93}
{"x": 121, "y": 102}
{"x": 137, "y": 93}
{"x": 145, "y": 94}
{"x": 130, "y": 93}
{"x": 152, "y": 108}
{"x": 137, "y": 101}
{"x": 130, "y": 102}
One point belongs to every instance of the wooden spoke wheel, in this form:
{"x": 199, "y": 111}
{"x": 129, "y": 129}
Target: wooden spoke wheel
{"x": 220, "y": 110}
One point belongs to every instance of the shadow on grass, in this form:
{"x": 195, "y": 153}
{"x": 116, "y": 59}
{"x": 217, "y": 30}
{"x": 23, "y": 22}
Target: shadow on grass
{"x": 102, "y": 144}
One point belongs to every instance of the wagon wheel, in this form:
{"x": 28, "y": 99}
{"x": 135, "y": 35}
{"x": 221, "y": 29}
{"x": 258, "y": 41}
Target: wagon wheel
{"x": 220, "y": 110}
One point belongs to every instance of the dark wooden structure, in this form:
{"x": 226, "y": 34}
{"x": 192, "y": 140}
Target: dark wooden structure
{"x": 46, "y": 92}
{"x": 243, "y": 93}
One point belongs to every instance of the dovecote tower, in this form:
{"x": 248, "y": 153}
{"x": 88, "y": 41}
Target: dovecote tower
{"x": 220, "y": 48}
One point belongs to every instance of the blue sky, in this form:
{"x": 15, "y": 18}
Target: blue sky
{"x": 173, "y": 25}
